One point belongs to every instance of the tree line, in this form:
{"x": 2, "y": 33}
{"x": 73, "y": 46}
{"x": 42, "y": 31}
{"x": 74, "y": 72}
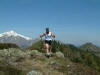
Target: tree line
{"x": 8, "y": 45}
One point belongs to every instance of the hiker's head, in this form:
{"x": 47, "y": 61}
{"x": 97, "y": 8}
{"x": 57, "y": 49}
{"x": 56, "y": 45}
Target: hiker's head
{"x": 47, "y": 30}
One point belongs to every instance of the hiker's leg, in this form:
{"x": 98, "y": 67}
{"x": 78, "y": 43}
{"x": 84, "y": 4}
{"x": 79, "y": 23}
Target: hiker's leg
{"x": 47, "y": 47}
{"x": 50, "y": 48}
{"x": 50, "y": 42}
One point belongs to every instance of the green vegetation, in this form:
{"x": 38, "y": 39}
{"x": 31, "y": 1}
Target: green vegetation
{"x": 90, "y": 59}
{"x": 8, "y": 45}
{"x": 71, "y": 52}
{"x": 38, "y": 46}
{"x": 28, "y": 62}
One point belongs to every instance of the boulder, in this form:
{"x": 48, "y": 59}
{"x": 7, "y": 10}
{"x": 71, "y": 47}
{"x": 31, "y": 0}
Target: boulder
{"x": 60, "y": 54}
{"x": 34, "y": 73}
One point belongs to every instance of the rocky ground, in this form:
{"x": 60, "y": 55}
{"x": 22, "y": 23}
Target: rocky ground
{"x": 31, "y": 62}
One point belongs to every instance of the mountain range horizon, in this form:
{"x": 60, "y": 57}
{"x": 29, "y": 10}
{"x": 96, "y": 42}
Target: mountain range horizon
{"x": 14, "y": 33}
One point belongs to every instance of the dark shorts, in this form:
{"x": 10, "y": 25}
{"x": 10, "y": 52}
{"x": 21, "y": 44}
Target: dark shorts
{"x": 48, "y": 42}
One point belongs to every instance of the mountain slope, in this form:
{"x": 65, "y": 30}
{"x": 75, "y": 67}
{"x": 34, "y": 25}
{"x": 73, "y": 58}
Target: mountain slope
{"x": 12, "y": 33}
{"x": 32, "y": 62}
{"x": 13, "y": 37}
{"x": 91, "y": 48}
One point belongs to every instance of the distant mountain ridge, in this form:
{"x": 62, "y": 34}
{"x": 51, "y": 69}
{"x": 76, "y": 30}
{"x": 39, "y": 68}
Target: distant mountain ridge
{"x": 13, "y": 37}
{"x": 90, "y": 47}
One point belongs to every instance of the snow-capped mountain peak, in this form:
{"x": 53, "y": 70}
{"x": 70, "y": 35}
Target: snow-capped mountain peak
{"x": 18, "y": 39}
{"x": 12, "y": 33}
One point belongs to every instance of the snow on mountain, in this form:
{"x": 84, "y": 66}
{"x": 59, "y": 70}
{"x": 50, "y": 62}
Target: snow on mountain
{"x": 20, "y": 40}
{"x": 12, "y": 33}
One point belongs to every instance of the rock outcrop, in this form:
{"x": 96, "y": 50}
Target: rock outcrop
{"x": 31, "y": 62}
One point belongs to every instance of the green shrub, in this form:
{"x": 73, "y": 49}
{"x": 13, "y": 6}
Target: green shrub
{"x": 8, "y": 45}
{"x": 39, "y": 45}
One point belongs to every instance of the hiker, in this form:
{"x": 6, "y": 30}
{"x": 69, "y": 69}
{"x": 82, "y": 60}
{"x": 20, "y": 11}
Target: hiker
{"x": 48, "y": 40}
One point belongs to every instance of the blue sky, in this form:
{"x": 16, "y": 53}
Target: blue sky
{"x": 73, "y": 21}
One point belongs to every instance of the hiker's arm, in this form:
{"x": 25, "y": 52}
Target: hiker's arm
{"x": 42, "y": 35}
{"x": 53, "y": 35}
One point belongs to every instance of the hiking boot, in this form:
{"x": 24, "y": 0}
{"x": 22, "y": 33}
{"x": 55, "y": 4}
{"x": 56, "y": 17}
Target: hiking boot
{"x": 48, "y": 55}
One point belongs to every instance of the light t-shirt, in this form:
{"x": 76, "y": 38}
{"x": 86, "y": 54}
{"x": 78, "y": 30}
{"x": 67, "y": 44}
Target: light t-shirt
{"x": 48, "y": 36}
